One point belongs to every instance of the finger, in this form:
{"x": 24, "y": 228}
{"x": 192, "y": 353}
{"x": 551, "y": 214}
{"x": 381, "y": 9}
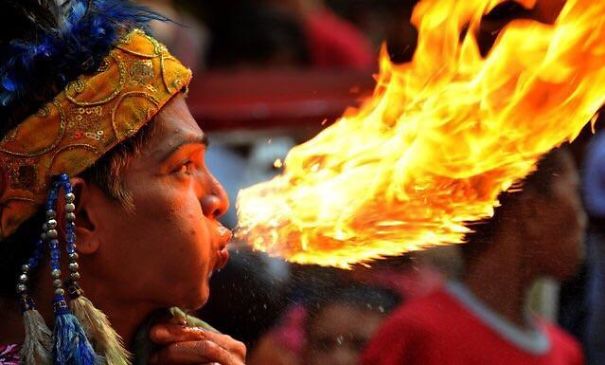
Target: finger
{"x": 225, "y": 341}
{"x": 194, "y": 352}
{"x": 164, "y": 334}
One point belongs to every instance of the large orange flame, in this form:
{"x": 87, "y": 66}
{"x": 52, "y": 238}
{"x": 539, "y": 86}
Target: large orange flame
{"x": 441, "y": 137}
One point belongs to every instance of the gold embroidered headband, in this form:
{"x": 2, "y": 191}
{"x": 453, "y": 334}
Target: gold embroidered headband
{"x": 92, "y": 115}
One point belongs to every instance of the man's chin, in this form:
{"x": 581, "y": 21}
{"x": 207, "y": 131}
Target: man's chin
{"x": 196, "y": 302}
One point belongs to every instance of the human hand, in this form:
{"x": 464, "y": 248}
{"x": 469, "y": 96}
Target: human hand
{"x": 179, "y": 345}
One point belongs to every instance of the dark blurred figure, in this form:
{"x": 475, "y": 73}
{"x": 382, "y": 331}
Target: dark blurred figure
{"x": 483, "y": 319}
{"x": 250, "y": 34}
{"x": 594, "y": 197}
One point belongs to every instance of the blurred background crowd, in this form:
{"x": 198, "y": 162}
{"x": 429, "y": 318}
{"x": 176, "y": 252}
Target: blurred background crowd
{"x": 271, "y": 74}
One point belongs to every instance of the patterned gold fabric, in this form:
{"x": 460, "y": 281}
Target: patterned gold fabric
{"x": 93, "y": 114}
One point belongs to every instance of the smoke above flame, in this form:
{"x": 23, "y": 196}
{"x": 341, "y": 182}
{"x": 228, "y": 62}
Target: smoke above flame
{"x": 437, "y": 142}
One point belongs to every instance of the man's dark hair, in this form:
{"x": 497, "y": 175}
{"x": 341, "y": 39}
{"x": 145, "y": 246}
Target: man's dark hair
{"x": 254, "y": 34}
{"x": 540, "y": 181}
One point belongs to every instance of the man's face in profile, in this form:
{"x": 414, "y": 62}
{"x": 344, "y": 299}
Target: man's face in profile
{"x": 165, "y": 250}
{"x": 558, "y": 224}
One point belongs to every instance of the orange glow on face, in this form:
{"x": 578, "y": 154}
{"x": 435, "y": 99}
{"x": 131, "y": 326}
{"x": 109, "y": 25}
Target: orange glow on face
{"x": 440, "y": 138}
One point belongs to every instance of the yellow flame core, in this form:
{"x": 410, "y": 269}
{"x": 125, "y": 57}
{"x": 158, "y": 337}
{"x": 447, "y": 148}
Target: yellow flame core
{"x": 440, "y": 138}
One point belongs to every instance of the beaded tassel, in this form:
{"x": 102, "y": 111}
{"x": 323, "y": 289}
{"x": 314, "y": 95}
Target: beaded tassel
{"x": 37, "y": 344}
{"x": 95, "y": 323}
{"x": 70, "y": 347}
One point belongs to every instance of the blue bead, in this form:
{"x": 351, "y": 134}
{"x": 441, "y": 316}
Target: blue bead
{"x": 9, "y": 84}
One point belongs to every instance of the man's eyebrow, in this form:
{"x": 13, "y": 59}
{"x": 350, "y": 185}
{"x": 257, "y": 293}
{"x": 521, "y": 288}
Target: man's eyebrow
{"x": 189, "y": 139}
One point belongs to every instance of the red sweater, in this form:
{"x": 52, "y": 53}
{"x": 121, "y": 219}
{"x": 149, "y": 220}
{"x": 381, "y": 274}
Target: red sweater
{"x": 440, "y": 329}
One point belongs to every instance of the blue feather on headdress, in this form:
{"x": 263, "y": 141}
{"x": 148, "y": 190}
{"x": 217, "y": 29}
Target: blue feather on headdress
{"x": 72, "y": 40}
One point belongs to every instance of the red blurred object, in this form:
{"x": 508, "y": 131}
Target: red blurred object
{"x": 268, "y": 99}
{"x": 333, "y": 42}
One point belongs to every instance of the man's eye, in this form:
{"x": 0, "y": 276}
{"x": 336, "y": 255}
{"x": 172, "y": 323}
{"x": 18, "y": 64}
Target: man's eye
{"x": 186, "y": 168}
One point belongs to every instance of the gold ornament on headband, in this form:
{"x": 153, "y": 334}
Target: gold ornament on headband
{"x": 92, "y": 115}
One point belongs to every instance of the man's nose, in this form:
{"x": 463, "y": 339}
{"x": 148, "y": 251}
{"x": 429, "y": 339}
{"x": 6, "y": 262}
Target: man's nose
{"x": 216, "y": 202}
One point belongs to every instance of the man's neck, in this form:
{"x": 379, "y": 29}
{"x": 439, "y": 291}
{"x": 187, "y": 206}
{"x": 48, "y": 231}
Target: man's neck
{"x": 500, "y": 280}
{"x": 125, "y": 317}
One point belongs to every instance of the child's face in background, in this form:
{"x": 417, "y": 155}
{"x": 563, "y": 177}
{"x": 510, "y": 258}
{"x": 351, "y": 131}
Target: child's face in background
{"x": 339, "y": 333}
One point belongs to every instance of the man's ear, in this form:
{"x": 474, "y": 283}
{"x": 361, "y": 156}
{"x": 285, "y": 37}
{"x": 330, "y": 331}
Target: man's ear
{"x": 88, "y": 240}
{"x": 528, "y": 208}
